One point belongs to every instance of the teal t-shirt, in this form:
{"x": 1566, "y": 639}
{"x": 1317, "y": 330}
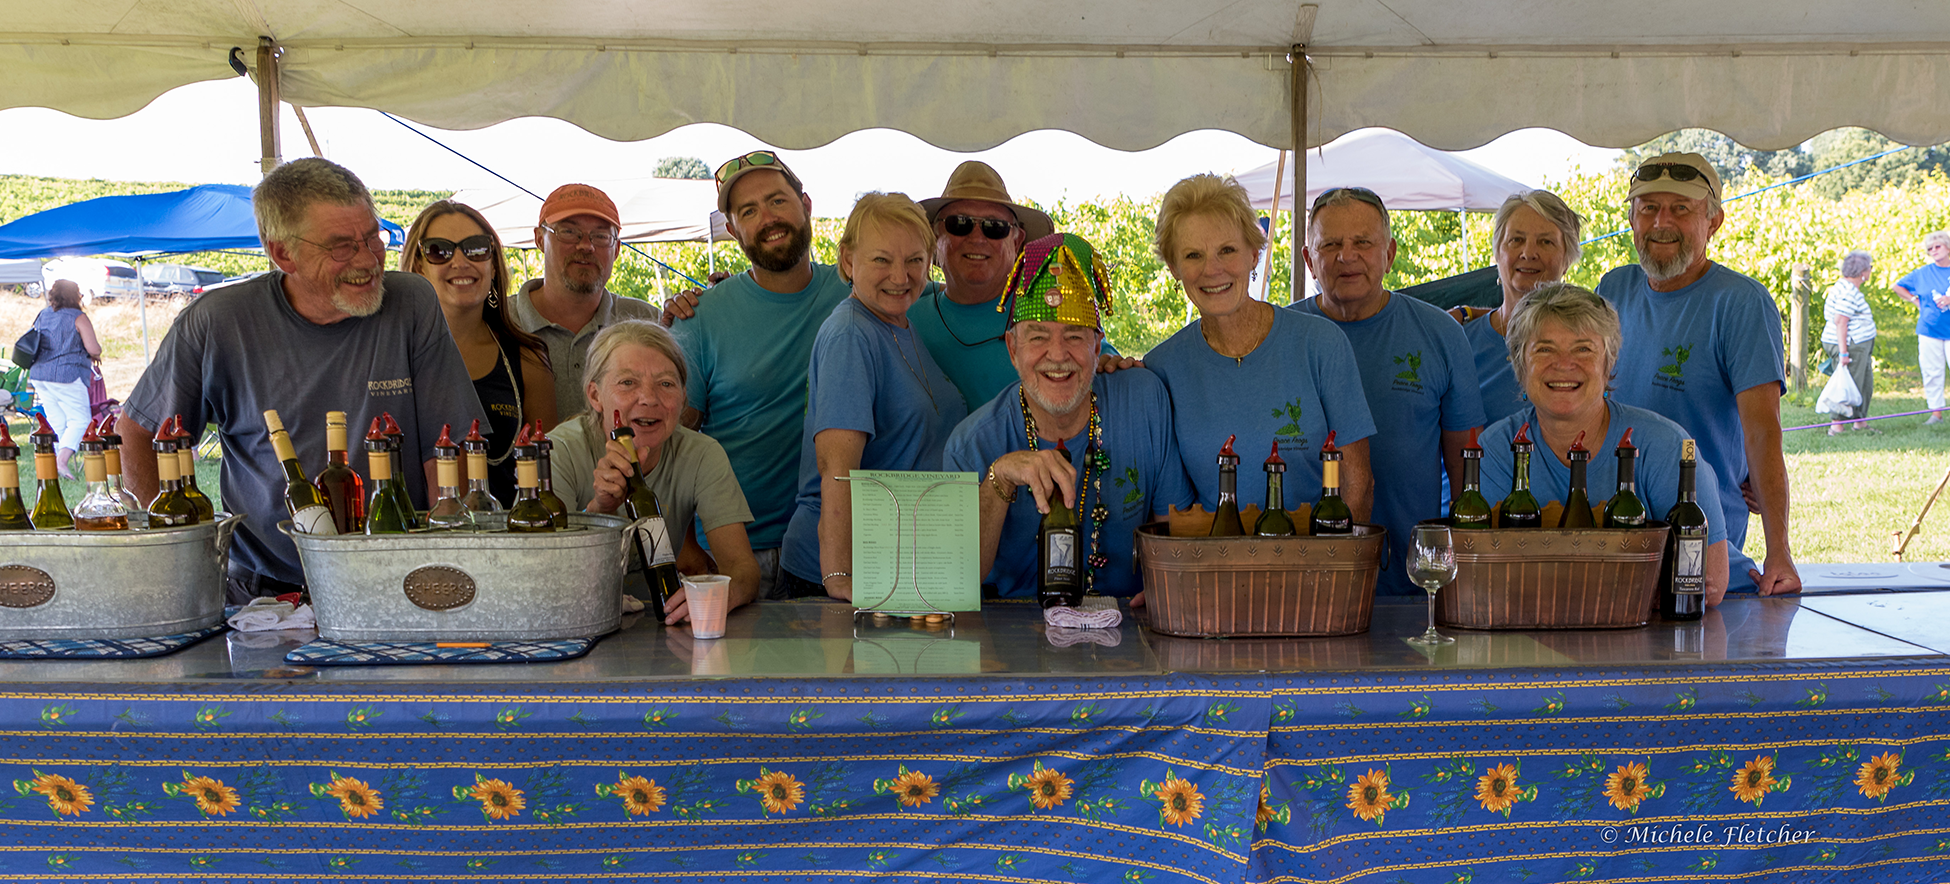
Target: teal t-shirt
{"x": 748, "y": 349}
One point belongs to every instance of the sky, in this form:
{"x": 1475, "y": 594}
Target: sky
{"x": 207, "y": 133}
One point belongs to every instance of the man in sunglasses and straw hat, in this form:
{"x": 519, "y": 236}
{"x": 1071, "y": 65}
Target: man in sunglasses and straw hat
{"x": 751, "y": 339}
{"x": 1703, "y": 347}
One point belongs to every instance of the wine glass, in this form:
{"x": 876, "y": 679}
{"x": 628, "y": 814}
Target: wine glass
{"x": 1431, "y": 565}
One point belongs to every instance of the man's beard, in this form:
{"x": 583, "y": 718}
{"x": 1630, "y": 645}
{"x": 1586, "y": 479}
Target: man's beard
{"x": 1660, "y": 271}
{"x": 1035, "y": 391}
{"x": 792, "y": 250}
{"x": 349, "y": 307}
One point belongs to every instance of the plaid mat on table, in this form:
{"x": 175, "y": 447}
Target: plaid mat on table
{"x": 102, "y": 648}
{"x": 330, "y": 652}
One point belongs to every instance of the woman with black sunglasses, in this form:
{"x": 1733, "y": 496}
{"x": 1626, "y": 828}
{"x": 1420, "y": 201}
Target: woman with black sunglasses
{"x": 452, "y": 246}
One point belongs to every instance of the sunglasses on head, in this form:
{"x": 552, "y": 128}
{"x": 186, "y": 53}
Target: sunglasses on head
{"x": 439, "y": 251}
{"x": 1360, "y": 193}
{"x": 963, "y": 225}
{"x": 756, "y": 159}
{"x": 1675, "y": 171}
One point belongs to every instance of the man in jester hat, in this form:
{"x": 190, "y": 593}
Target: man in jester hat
{"x": 1123, "y": 469}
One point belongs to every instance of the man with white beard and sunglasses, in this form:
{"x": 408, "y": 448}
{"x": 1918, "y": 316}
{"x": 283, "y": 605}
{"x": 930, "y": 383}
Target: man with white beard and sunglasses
{"x": 1703, "y": 347}
{"x": 1123, "y": 468}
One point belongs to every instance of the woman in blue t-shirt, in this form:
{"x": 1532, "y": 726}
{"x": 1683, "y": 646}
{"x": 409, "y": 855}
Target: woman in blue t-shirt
{"x": 1534, "y": 237}
{"x": 1928, "y": 287}
{"x": 875, "y": 399}
{"x": 63, "y": 368}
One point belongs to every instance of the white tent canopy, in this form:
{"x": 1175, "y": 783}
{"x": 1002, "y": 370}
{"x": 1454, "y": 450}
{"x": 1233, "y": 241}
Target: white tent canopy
{"x": 1406, "y": 175}
{"x": 967, "y": 75}
{"x": 652, "y": 210}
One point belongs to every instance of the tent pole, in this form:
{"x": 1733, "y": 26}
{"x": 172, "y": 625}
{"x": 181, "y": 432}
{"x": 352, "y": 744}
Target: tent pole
{"x": 267, "y": 105}
{"x": 1297, "y": 91}
{"x": 142, "y": 307}
{"x": 1272, "y": 215}
{"x": 1462, "y": 217}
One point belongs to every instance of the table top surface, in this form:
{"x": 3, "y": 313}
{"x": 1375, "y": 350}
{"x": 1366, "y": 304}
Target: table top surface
{"x": 824, "y": 639}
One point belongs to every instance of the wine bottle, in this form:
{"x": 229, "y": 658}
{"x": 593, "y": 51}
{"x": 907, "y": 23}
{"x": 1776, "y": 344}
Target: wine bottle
{"x": 99, "y": 509}
{"x": 13, "y": 508}
{"x": 1625, "y": 509}
{"x": 1225, "y": 522}
{"x": 528, "y": 514}
{"x": 447, "y": 510}
{"x": 310, "y": 514}
{"x": 1274, "y": 520}
{"x": 171, "y": 509}
{"x": 1331, "y": 515}
{"x": 344, "y": 490}
{"x": 544, "y": 449}
{"x": 659, "y": 560}
{"x": 1059, "y": 579}
{"x": 1471, "y": 509}
{"x": 479, "y": 500}
{"x": 186, "y": 465}
{"x": 112, "y": 462}
{"x": 1682, "y": 577}
{"x": 1577, "y": 503}
{"x": 50, "y": 508}
{"x": 383, "y": 513}
{"x": 1520, "y": 509}
{"x": 396, "y": 445}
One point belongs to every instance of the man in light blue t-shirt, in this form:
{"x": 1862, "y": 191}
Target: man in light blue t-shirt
{"x": 1417, "y": 370}
{"x": 1928, "y": 287}
{"x": 1703, "y": 348}
{"x": 751, "y": 339}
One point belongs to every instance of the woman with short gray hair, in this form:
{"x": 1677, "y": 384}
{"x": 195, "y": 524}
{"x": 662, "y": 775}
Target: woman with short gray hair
{"x": 1535, "y": 240}
{"x": 1928, "y": 287}
{"x": 1850, "y": 335}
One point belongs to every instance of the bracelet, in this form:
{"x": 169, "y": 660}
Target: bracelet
{"x": 997, "y": 486}
{"x": 823, "y": 580}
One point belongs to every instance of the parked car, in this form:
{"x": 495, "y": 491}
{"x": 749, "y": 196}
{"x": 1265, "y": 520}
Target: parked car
{"x": 99, "y": 278}
{"x": 178, "y": 279}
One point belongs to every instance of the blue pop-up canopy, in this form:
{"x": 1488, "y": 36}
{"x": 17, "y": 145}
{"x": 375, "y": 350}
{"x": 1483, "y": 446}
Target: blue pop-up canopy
{"x": 208, "y": 218}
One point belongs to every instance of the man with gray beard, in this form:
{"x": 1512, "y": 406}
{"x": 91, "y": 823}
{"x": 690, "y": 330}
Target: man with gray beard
{"x": 579, "y": 233}
{"x": 1703, "y": 347}
{"x": 1123, "y": 468}
{"x": 328, "y": 330}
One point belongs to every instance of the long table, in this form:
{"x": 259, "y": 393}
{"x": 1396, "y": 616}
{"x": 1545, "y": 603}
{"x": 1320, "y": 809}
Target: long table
{"x": 1778, "y": 740}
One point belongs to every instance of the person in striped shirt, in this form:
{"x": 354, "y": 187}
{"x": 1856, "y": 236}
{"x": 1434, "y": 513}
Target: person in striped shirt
{"x": 1850, "y": 335}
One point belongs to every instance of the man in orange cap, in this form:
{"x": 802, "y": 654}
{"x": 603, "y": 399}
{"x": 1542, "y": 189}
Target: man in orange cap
{"x": 579, "y": 233}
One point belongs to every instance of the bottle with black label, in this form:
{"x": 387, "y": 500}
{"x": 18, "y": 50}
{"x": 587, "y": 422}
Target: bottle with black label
{"x": 1626, "y": 509}
{"x": 658, "y": 555}
{"x": 1577, "y": 503}
{"x": 1058, "y": 550}
{"x": 1520, "y": 509}
{"x": 1275, "y": 521}
{"x": 1331, "y": 515}
{"x": 1226, "y": 522}
{"x": 1471, "y": 509}
{"x": 1682, "y": 578}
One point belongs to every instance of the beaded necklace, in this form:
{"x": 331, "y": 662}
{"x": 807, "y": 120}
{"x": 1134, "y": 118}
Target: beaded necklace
{"x": 1095, "y": 464}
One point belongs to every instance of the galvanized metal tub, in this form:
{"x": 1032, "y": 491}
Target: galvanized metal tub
{"x": 466, "y": 585}
{"x": 113, "y": 584}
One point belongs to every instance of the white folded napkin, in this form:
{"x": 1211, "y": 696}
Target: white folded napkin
{"x": 267, "y": 614}
{"x": 1096, "y": 612}
{"x": 1064, "y": 638}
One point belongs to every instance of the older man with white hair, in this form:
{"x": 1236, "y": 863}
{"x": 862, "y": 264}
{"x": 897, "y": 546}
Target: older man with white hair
{"x": 1703, "y": 347}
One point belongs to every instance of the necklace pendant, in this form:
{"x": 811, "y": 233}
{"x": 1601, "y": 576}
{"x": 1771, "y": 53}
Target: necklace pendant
{"x": 1099, "y": 460}
{"x": 1099, "y": 560}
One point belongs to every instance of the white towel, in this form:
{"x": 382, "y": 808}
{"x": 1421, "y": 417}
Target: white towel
{"x": 1064, "y": 638}
{"x": 267, "y": 614}
{"x": 1096, "y": 612}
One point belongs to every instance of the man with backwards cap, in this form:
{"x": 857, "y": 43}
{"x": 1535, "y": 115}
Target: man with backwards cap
{"x": 750, "y": 341}
{"x": 1703, "y": 347}
{"x": 1124, "y": 469}
{"x": 579, "y": 233}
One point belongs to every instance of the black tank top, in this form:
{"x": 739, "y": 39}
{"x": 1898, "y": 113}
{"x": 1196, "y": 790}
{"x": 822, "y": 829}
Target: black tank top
{"x": 500, "y": 394}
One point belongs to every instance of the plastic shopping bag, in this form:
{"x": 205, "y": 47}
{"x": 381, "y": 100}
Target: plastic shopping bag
{"x": 1840, "y": 397}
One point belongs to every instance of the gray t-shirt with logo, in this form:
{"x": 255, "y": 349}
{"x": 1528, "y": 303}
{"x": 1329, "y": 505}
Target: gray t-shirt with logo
{"x": 241, "y": 349}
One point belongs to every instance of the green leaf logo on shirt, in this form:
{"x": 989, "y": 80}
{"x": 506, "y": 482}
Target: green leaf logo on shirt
{"x": 1136, "y": 485}
{"x": 1679, "y": 356}
{"x": 1413, "y": 360}
{"x": 1290, "y": 411}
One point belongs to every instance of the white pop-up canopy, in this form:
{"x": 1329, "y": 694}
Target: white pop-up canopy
{"x": 970, "y": 74}
{"x": 652, "y": 210}
{"x": 1406, "y": 175}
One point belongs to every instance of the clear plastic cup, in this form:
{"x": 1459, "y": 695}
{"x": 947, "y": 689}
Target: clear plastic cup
{"x": 709, "y": 598}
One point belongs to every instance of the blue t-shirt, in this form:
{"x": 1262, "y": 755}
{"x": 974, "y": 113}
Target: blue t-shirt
{"x": 1926, "y": 283}
{"x": 1688, "y": 355}
{"x": 1656, "y": 471}
{"x": 1502, "y": 396}
{"x": 1144, "y": 476}
{"x": 966, "y": 341}
{"x": 1295, "y": 386}
{"x": 869, "y": 376}
{"x": 1420, "y": 380}
{"x": 747, "y": 348}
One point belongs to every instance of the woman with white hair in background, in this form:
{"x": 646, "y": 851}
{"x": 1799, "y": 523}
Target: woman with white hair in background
{"x": 1928, "y": 287}
{"x": 1535, "y": 240}
{"x": 1850, "y": 335}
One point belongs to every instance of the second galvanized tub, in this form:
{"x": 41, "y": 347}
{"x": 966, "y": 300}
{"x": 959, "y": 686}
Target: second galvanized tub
{"x": 467, "y": 586}
{"x": 113, "y": 584}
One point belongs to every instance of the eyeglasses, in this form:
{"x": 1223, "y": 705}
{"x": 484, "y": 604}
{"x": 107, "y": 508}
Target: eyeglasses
{"x": 1360, "y": 193}
{"x": 571, "y": 237}
{"x": 475, "y": 248}
{"x": 1675, "y": 171}
{"x": 758, "y": 158}
{"x": 344, "y": 249}
{"x": 963, "y": 225}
